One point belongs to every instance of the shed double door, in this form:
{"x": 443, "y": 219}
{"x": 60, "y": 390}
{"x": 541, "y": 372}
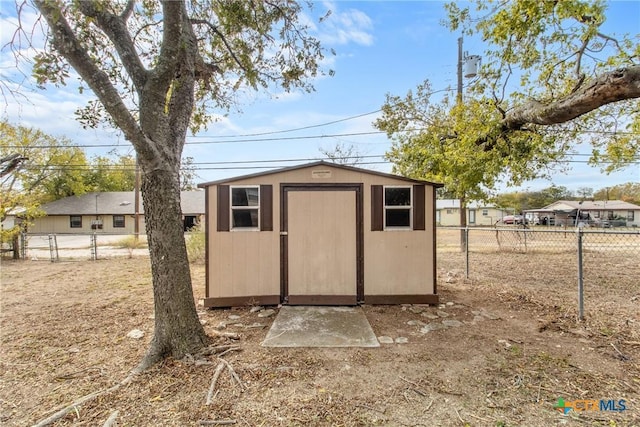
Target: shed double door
{"x": 322, "y": 250}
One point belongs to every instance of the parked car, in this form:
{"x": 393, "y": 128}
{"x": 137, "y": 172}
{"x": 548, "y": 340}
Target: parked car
{"x": 513, "y": 219}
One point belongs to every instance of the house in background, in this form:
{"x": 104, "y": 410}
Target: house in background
{"x": 599, "y": 213}
{"x": 108, "y": 212}
{"x": 478, "y": 214}
{"x": 320, "y": 234}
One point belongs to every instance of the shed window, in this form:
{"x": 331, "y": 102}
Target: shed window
{"x": 629, "y": 215}
{"x": 245, "y": 207}
{"x": 75, "y": 221}
{"x": 485, "y": 212}
{"x": 118, "y": 221}
{"x": 397, "y": 207}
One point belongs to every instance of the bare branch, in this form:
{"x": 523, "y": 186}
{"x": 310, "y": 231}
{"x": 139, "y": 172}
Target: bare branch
{"x": 617, "y": 85}
{"x": 215, "y": 30}
{"x": 115, "y": 28}
{"x": 68, "y": 45}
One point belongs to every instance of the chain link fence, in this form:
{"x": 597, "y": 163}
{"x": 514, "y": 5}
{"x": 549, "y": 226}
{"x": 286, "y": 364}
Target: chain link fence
{"x": 81, "y": 247}
{"x": 56, "y": 247}
{"x": 587, "y": 267}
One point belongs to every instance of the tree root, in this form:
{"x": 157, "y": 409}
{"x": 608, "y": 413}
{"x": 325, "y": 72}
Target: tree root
{"x": 214, "y": 380}
{"x": 64, "y": 411}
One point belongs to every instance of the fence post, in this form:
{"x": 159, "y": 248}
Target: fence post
{"x": 94, "y": 247}
{"x": 53, "y": 248}
{"x": 466, "y": 250}
{"x": 580, "y": 277}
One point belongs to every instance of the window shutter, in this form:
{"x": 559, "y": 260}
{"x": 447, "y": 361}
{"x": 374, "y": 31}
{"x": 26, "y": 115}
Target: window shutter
{"x": 377, "y": 208}
{"x": 266, "y": 208}
{"x": 223, "y": 208}
{"x": 418, "y": 207}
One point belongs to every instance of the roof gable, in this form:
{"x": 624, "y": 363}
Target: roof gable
{"x": 316, "y": 164}
{"x": 116, "y": 203}
{"x": 601, "y": 205}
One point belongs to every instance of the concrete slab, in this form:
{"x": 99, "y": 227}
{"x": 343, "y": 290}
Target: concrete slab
{"x": 306, "y": 326}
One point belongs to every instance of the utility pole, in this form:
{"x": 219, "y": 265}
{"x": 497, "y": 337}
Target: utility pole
{"x": 471, "y": 72}
{"x": 463, "y": 204}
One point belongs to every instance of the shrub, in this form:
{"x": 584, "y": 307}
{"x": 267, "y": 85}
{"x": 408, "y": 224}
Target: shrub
{"x": 131, "y": 243}
{"x": 195, "y": 241}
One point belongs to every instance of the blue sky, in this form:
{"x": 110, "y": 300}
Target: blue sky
{"x": 381, "y": 47}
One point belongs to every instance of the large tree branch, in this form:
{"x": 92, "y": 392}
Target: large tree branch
{"x": 169, "y": 58}
{"x": 12, "y": 161}
{"x": 68, "y": 45}
{"x": 115, "y": 28}
{"x": 614, "y": 86}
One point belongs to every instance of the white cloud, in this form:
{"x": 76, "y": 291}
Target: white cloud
{"x": 344, "y": 27}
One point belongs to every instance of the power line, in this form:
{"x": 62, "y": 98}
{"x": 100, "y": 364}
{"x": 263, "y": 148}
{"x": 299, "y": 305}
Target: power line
{"x": 116, "y": 166}
{"x": 236, "y": 165}
{"x": 290, "y": 130}
{"x": 290, "y": 138}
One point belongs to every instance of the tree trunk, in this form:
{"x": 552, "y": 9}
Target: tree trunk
{"x": 178, "y": 330}
{"x": 16, "y": 246}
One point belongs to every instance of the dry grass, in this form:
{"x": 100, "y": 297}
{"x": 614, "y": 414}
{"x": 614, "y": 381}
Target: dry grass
{"x": 64, "y": 329}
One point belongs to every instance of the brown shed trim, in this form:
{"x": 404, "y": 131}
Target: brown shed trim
{"x": 284, "y": 250}
{"x": 314, "y": 164}
{"x": 206, "y": 245}
{"x": 402, "y": 299}
{"x": 418, "y": 207}
{"x": 223, "y": 208}
{"x": 323, "y": 300}
{"x": 433, "y": 241}
{"x": 241, "y": 301}
{"x": 377, "y": 208}
{"x": 266, "y": 208}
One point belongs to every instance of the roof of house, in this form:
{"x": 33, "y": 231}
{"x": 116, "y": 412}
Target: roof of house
{"x": 315, "y": 164}
{"x": 455, "y": 204}
{"x": 587, "y": 205}
{"x": 117, "y": 203}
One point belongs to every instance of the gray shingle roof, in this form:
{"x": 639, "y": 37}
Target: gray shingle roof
{"x": 117, "y": 203}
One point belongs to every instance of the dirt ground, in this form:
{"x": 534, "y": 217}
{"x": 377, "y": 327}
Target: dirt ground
{"x": 520, "y": 348}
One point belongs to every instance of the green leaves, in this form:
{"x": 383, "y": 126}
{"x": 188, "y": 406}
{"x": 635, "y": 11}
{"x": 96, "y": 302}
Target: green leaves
{"x": 530, "y": 104}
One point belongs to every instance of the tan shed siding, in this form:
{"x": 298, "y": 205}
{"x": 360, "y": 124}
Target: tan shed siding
{"x": 241, "y": 263}
{"x": 398, "y": 263}
{"x": 247, "y": 263}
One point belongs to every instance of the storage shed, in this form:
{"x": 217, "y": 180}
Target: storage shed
{"x": 320, "y": 234}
